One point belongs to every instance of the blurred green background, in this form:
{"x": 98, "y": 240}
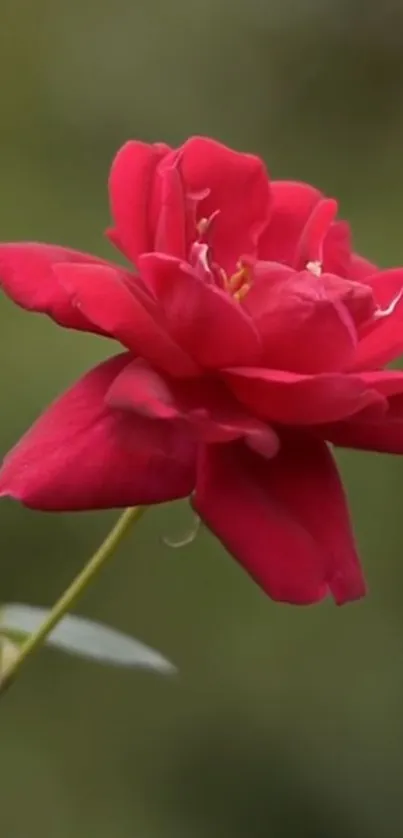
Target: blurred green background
{"x": 282, "y": 722}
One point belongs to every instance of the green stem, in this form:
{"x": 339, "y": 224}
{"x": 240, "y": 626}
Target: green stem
{"x": 69, "y": 598}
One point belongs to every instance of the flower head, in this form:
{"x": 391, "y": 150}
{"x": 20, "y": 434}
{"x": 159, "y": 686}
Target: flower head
{"x": 253, "y": 336}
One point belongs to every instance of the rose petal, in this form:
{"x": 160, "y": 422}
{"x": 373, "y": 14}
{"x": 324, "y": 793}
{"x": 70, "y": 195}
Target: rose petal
{"x": 310, "y": 246}
{"x": 176, "y": 228}
{"x": 170, "y": 235}
{"x": 131, "y": 184}
{"x": 385, "y": 285}
{"x": 373, "y": 430}
{"x": 204, "y": 404}
{"x": 238, "y": 188}
{"x": 102, "y": 295}
{"x": 301, "y": 328}
{"x": 295, "y": 399}
{"x": 382, "y": 340}
{"x": 207, "y": 322}
{"x": 27, "y": 276}
{"x": 376, "y": 433}
{"x": 292, "y": 205}
{"x": 386, "y": 382}
{"x": 336, "y": 254}
{"x": 285, "y": 521}
{"x": 81, "y": 454}
{"x": 357, "y": 297}
{"x": 360, "y": 268}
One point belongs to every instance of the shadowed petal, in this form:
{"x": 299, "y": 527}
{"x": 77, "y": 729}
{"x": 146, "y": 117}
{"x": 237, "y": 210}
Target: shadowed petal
{"x": 81, "y": 454}
{"x": 296, "y": 399}
{"x": 285, "y": 520}
{"x": 202, "y": 403}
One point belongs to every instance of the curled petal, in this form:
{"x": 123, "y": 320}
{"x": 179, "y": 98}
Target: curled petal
{"x": 175, "y": 208}
{"x": 131, "y": 183}
{"x": 310, "y": 246}
{"x": 336, "y": 254}
{"x": 202, "y": 404}
{"x": 286, "y": 521}
{"x": 83, "y": 455}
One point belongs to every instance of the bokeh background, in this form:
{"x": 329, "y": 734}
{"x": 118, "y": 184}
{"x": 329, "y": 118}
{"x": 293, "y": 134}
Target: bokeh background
{"x": 282, "y": 722}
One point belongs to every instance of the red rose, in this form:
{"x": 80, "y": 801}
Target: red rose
{"x": 253, "y": 335}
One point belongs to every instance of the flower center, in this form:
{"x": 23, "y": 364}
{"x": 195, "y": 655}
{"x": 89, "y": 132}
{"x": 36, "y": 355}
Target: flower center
{"x": 239, "y": 283}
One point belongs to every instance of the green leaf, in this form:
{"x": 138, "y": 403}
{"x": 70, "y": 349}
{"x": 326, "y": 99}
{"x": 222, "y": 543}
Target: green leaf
{"x": 79, "y": 636}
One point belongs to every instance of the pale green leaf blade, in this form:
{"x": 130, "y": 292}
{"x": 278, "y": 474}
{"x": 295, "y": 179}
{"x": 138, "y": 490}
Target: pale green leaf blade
{"x": 83, "y": 637}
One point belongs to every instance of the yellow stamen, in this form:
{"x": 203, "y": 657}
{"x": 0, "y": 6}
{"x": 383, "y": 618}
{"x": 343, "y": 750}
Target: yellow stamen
{"x": 239, "y": 283}
{"x": 242, "y": 291}
{"x": 237, "y": 280}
